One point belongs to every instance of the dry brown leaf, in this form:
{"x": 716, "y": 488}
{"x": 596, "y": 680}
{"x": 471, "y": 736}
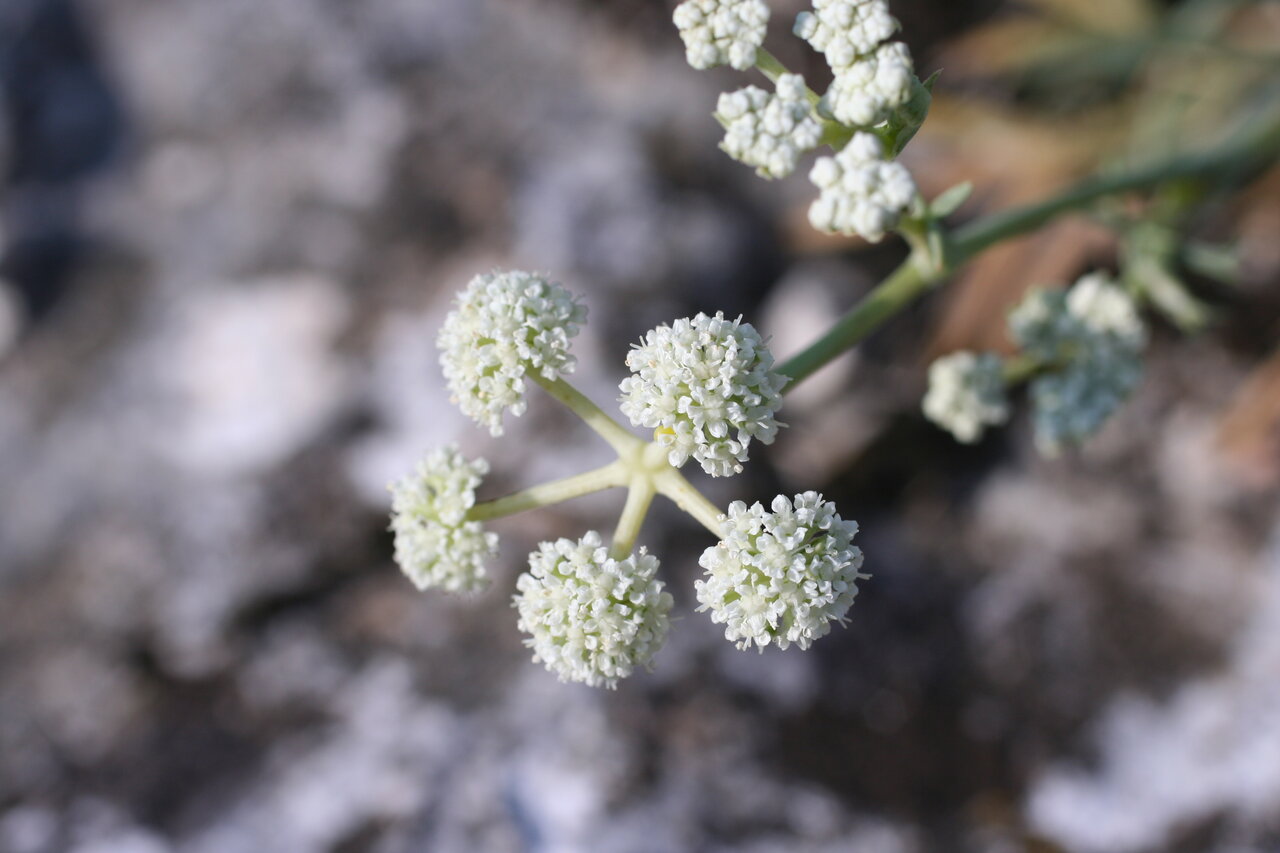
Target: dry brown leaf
{"x": 1014, "y": 160}
{"x": 1249, "y": 432}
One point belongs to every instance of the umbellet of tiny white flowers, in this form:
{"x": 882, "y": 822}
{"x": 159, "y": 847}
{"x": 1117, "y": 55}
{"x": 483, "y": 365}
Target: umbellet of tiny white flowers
{"x": 782, "y": 575}
{"x": 866, "y": 92}
{"x": 861, "y": 192}
{"x": 769, "y": 132}
{"x": 435, "y": 545}
{"x": 708, "y": 386}
{"x": 591, "y": 618}
{"x": 967, "y": 394}
{"x": 722, "y": 32}
{"x": 504, "y": 326}
{"x": 1089, "y": 340}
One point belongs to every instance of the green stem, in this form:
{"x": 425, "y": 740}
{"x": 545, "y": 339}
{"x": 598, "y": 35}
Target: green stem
{"x": 769, "y": 66}
{"x": 614, "y": 474}
{"x": 639, "y": 495}
{"x": 903, "y": 286}
{"x": 672, "y": 484}
{"x": 606, "y": 427}
{"x": 1020, "y": 368}
{"x": 1256, "y": 145}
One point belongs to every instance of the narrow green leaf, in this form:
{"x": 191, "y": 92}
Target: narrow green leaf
{"x": 949, "y": 201}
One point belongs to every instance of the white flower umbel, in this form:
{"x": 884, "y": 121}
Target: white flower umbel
{"x": 591, "y": 618}
{"x": 867, "y": 91}
{"x": 1090, "y": 340}
{"x": 707, "y": 386}
{"x": 843, "y": 30}
{"x": 781, "y": 576}
{"x": 435, "y": 545}
{"x": 503, "y": 326}
{"x": 769, "y": 132}
{"x": 966, "y": 394}
{"x": 861, "y": 192}
{"x": 722, "y": 32}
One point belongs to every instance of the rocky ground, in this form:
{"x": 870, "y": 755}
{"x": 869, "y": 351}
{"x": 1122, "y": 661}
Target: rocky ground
{"x": 230, "y": 233}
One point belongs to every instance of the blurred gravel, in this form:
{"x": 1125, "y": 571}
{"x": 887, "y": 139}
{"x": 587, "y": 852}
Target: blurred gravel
{"x": 228, "y": 349}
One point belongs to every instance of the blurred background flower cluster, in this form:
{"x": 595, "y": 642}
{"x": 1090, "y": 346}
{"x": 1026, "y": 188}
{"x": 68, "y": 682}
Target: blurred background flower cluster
{"x": 229, "y": 232}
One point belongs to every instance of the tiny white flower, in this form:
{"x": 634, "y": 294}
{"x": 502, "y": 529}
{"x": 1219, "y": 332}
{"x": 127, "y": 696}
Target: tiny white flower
{"x": 861, "y": 192}
{"x": 843, "y": 30}
{"x": 781, "y": 576}
{"x": 708, "y": 386}
{"x": 591, "y": 618}
{"x": 966, "y": 394}
{"x": 722, "y": 32}
{"x": 504, "y": 326}
{"x": 435, "y": 545}
{"x": 867, "y": 91}
{"x": 769, "y": 132}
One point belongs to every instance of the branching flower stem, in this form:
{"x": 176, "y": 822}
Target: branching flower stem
{"x": 545, "y": 494}
{"x": 1256, "y": 144}
{"x": 672, "y": 484}
{"x": 619, "y": 438}
{"x": 641, "y": 466}
{"x": 640, "y": 494}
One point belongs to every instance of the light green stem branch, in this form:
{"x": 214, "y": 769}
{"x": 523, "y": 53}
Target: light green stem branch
{"x": 769, "y": 66}
{"x": 639, "y": 496}
{"x": 606, "y": 427}
{"x": 673, "y": 485}
{"x": 607, "y": 477}
{"x": 903, "y": 286}
{"x": 1021, "y": 368}
{"x": 1256, "y": 145}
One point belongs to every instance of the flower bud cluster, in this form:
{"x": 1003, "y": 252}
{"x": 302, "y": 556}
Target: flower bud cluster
{"x": 504, "y": 326}
{"x": 707, "y": 385}
{"x": 872, "y": 77}
{"x": 861, "y": 192}
{"x": 781, "y": 576}
{"x": 769, "y": 132}
{"x": 967, "y": 394}
{"x": 435, "y": 545}
{"x": 843, "y": 30}
{"x": 1091, "y": 340}
{"x": 867, "y": 92}
{"x": 591, "y": 618}
{"x": 722, "y": 32}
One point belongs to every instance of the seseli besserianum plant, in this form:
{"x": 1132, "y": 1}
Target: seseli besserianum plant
{"x": 708, "y": 389}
